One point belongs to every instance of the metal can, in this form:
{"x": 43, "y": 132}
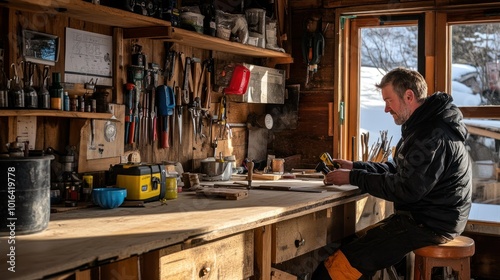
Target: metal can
{"x": 171, "y": 188}
{"x": 278, "y": 166}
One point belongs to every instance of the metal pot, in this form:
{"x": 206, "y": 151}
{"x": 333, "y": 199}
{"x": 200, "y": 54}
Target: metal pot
{"x": 216, "y": 170}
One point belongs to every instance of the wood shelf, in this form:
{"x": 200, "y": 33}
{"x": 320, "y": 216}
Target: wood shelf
{"x": 139, "y": 26}
{"x": 193, "y": 39}
{"x": 86, "y": 11}
{"x": 53, "y": 113}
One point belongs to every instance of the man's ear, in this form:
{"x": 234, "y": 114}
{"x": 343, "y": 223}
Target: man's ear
{"x": 409, "y": 95}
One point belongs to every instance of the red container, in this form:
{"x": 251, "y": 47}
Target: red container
{"x": 239, "y": 80}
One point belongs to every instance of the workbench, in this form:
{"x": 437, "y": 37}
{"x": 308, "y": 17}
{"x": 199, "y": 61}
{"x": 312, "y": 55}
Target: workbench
{"x": 139, "y": 240}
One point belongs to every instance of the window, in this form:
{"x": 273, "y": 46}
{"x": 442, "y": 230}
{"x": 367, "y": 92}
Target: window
{"x": 378, "y": 44}
{"x": 475, "y": 83}
{"x": 382, "y": 49}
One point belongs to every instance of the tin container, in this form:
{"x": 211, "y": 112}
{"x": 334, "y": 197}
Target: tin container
{"x": 171, "y": 188}
{"x": 278, "y": 166}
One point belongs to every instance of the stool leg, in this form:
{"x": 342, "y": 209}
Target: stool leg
{"x": 423, "y": 268}
{"x": 410, "y": 266}
{"x": 462, "y": 267}
{"x": 418, "y": 268}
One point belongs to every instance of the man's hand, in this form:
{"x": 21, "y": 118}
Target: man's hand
{"x": 344, "y": 164}
{"x": 337, "y": 177}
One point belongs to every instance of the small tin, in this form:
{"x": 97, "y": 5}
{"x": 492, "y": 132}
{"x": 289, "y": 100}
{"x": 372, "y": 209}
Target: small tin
{"x": 278, "y": 166}
{"x": 171, "y": 188}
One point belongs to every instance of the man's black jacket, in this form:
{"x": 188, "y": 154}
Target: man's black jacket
{"x": 430, "y": 176}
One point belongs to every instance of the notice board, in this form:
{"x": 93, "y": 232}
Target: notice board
{"x": 88, "y": 56}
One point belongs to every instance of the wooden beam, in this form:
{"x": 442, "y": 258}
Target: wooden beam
{"x": 483, "y": 132}
{"x": 481, "y": 112}
{"x": 262, "y": 257}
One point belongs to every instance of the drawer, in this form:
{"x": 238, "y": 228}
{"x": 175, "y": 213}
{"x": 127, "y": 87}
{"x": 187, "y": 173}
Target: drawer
{"x": 297, "y": 236}
{"x": 228, "y": 258}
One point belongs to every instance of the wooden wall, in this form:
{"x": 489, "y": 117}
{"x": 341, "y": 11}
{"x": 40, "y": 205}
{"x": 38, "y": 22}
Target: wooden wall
{"x": 312, "y": 137}
{"x": 54, "y": 132}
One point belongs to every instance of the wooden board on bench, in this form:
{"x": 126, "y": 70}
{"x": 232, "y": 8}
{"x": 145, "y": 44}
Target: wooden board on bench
{"x": 233, "y": 194}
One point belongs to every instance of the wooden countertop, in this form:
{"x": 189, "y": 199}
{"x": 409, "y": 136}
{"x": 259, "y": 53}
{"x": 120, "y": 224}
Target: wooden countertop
{"x": 93, "y": 236}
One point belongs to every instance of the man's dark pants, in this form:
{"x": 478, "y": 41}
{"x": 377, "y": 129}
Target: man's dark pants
{"x": 385, "y": 244}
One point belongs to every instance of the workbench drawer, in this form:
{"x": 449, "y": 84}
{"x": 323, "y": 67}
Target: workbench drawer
{"x": 228, "y": 258}
{"x": 297, "y": 236}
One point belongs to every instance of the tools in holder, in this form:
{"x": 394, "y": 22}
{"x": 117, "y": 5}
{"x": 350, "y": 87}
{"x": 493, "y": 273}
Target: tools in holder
{"x": 313, "y": 45}
{"x": 166, "y": 105}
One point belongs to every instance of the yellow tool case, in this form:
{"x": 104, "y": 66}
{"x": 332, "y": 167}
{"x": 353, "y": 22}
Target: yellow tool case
{"x": 143, "y": 181}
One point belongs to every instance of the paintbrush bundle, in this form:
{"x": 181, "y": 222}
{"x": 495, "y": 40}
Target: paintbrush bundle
{"x": 381, "y": 150}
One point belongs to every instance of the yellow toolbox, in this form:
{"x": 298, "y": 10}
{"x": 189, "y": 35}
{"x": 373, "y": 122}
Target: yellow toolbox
{"x": 143, "y": 181}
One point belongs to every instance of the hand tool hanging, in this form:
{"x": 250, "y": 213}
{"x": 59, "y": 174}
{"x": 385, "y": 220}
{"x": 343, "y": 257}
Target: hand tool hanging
{"x": 207, "y": 90}
{"x": 194, "y": 106}
{"x": 313, "y": 45}
{"x": 129, "y": 115}
{"x": 200, "y": 112}
{"x": 135, "y": 75}
{"x": 153, "y": 135}
{"x": 205, "y": 97}
{"x": 221, "y": 121}
{"x": 166, "y": 105}
{"x": 182, "y": 93}
{"x": 178, "y": 110}
{"x": 170, "y": 62}
{"x": 189, "y": 90}
{"x": 147, "y": 105}
{"x": 209, "y": 70}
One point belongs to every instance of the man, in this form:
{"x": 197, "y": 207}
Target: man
{"x": 429, "y": 181}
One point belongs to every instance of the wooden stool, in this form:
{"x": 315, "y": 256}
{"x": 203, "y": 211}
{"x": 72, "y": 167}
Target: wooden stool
{"x": 455, "y": 254}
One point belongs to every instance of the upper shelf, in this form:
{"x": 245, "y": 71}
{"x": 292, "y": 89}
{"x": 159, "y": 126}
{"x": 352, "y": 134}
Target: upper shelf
{"x": 83, "y": 10}
{"x": 139, "y": 26}
{"x": 193, "y": 39}
{"x": 53, "y": 113}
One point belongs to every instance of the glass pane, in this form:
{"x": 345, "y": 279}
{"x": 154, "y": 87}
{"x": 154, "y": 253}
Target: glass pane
{"x": 475, "y": 56}
{"x": 484, "y": 145}
{"x": 382, "y": 49}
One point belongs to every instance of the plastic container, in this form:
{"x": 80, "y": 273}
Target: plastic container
{"x": 192, "y": 21}
{"x": 109, "y": 198}
{"x": 24, "y": 195}
{"x": 239, "y": 80}
{"x": 256, "y": 19}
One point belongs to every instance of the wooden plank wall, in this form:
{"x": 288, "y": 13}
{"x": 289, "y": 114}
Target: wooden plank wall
{"x": 54, "y": 131}
{"x": 51, "y": 132}
{"x": 311, "y": 138}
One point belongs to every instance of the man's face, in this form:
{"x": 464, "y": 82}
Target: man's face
{"x": 398, "y": 107}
